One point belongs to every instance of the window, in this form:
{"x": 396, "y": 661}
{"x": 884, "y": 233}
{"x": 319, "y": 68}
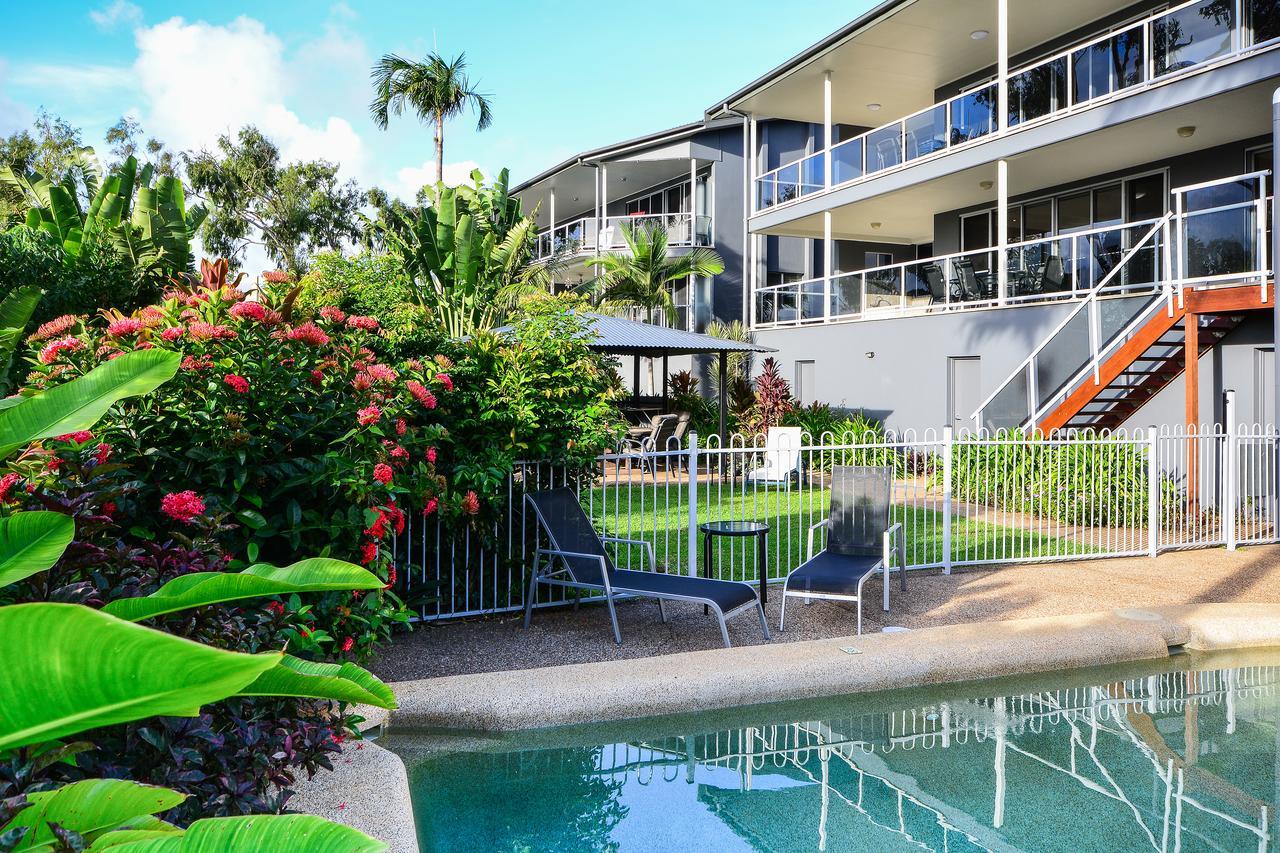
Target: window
{"x": 871, "y": 260}
{"x": 1107, "y": 203}
{"x": 1073, "y": 212}
{"x": 1146, "y": 198}
{"x": 1037, "y": 220}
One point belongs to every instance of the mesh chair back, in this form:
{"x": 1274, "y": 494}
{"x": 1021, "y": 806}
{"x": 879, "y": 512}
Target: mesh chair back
{"x": 663, "y": 433}
{"x": 569, "y": 529}
{"x": 859, "y": 509}
{"x": 969, "y": 285}
{"x": 937, "y": 287}
{"x": 1053, "y": 277}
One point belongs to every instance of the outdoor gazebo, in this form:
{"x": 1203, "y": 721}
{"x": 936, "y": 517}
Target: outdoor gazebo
{"x": 619, "y": 336}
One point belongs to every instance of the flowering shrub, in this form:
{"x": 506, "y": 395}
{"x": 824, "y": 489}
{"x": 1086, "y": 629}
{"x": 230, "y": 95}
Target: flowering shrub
{"x": 295, "y": 433}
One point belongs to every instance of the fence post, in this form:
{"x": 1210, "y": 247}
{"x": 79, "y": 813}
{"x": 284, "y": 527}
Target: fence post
{"x": 1229, "y": 482}
{"x": 693, "y": 504}
{"x": 948, "y": 435}
{"x": 1153, "y": 494}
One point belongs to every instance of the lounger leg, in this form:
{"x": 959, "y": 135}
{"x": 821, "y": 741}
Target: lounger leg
{"x": 532, "y": 592}
{"x": 782, "y": 620}
{"x": 859, "y": 615}
{"x": 724, "y": 629}
{"x": 764, "y": 624}
{"x": 613, "y": 616}
{"x": 662, "y": 610}
{"x": 886, "y": 589}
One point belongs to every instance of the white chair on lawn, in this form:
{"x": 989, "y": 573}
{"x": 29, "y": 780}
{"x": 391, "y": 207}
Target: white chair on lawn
{"x": 782, "y": 458}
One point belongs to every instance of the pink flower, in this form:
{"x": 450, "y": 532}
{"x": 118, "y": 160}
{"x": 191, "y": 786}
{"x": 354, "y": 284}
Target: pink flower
{"x": 124, "y": 326}
{"x": 431, "y": 507}
{"x": 7, "y": 482}
{"x": 382, "y": 473}
{"x": 368, "y": 324}
{"x": 382, "y": 373}
{"x": 103, "y": 454}
{"x": 332, "y": 314}
{"x": 445, "y": 380}
{"x": 171, "y": 334}
{"x": 421, "y": 394}
{"x": 347, "y": 643}
{"x": 209, "y": 332}
{"x": 317, "y": 378}
{"x": 471, "y": 503}
{"x": 237, "y": 383}
{"x": 182, "y": 506}
{"x": 151, "y": 316}
{"x": 401, "y": 426}
{"x": 369, "y": 415}
{"x": 276, "y": 276}
{"x": 309, "y": 334}
{"x": 255, "y": 311}
{"x": 50, "y": 352}
{"x": 78, "y": 437}
{"x": 56, "y": 326}
{"x": 431, "y": 455}
{"x": 193, "y": 362}
{"x": 362, "y": 382}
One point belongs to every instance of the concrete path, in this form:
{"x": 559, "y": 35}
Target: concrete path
{"x": 564, "y": 636}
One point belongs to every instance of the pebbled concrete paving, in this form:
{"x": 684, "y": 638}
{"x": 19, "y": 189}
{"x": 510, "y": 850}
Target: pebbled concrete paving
{"x": 564, "y": 636}
{"x": 368, "y": 790}
{"x": 750, "y": 675}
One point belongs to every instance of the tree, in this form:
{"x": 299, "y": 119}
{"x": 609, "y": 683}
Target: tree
{"x": 54, "y": 148}
{"x": 290, "y": 210}
{"x": 434, "y": 89}
{"x": 124, "y": 138}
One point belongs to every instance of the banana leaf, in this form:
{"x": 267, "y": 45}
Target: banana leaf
{"x": 257, "y": 833}
{"x": 343, "y": 682}
{"x": 31, "y": 542}
{"x": 68, "y": 668}
{"x": 89, "y": 808}
{"x": 78, "y": 404}
{"x": 318, "y": 574}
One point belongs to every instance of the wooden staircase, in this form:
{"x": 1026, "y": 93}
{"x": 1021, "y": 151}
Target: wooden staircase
{"x": 1154, "y": 356}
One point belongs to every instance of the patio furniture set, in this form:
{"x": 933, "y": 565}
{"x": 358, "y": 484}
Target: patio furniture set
{"x": 860, "y": 543}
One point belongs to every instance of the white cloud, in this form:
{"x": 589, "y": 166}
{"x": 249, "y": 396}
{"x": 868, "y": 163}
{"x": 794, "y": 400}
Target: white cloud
{"x": 410, "y": 179}
{"x": 115, "y": 14}
{"x": 76, "y": 81}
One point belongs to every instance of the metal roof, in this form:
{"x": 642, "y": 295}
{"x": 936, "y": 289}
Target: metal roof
{"x": 620, "y": 336}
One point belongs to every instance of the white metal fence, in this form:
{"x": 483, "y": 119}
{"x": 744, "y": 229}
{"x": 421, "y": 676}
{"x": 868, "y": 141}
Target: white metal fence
{"x": 962, "y": 500}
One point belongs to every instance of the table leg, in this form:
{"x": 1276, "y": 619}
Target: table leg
{"x": 706, "y": 564}
{"x": 762, "y": 564}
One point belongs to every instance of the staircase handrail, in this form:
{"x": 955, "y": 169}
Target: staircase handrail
{"x": 1090, "y": 299}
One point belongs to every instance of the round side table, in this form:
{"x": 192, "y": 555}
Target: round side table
{"x": 758, "y": 529}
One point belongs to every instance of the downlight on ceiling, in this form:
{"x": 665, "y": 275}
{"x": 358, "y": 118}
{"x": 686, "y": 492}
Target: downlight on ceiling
{"x": 1187, "y": 131}
{"x": 873, "y": 107}
{"x": 986, "y": 185}
{"x": 875, "y": 226}
{"x": 979, "y": 35}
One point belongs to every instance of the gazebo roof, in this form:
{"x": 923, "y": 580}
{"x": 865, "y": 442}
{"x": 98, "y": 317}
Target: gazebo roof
{"x": 631, "y": 337}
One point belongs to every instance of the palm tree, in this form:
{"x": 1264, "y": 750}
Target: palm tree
{"x": 643, "y": 276}
{"x": 434, "y": 89}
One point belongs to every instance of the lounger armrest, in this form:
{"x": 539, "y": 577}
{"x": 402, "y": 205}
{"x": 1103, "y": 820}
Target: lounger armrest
{"x": 648, "y": 547}
{"x": 894, "y": 543}
{"x": 826, "y": 522}
{"x": 604, "y": 566}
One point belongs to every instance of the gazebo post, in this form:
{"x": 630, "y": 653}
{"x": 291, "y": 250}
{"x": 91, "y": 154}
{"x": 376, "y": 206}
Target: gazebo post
{"x": 635, "y": 377}
{"x": 724, "y": 393}
{"x": 664, "y": 381}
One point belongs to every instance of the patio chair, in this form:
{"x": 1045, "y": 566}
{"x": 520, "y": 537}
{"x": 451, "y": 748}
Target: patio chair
{"x": 860, "y": 541}
{"x": 971, "y": 289}
{"x": 586, "y": 564}
{"x": 644, "y": 447}
{"x": 782, "y": 458}
{"x": 937, "y": 284}
{"x": 1053, "y": 276}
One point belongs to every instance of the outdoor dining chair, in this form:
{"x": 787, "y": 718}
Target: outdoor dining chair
{"x": 584, "y": 563}
{"x": 782, "y": 458}
{"x": 860, "y": 542}
{"x": 643, "y": 448}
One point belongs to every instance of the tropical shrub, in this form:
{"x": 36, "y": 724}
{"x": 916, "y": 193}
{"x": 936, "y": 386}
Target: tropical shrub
{"x": 773, "y": 399}
{"x": 704, "y": 413}
{"x": 292, "y": 432}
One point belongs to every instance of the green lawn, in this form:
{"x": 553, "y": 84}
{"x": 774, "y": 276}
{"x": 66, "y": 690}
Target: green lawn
{"x": 661, "y": 516}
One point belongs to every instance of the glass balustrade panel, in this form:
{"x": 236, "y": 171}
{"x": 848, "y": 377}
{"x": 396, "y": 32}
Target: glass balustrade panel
{"x": 884, "y": 148}
{"x": 1193, "y": 36}
{"x": 926, "y": 132}
{"x": 846, "y": 161}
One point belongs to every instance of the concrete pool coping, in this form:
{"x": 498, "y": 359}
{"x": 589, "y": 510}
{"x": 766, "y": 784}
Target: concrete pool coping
{"x": 753, "y": 675}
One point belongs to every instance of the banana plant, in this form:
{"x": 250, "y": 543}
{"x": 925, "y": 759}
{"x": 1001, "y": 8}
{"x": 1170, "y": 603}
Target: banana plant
{"x": 119, "y": 815}
{"x": 16, "y": 310}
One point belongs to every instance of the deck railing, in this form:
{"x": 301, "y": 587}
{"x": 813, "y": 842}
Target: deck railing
{"x": 586, "y": 235}
{"x": 1171, "y": 42}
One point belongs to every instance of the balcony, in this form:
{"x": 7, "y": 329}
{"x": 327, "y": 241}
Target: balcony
{"x": 583, "y": 237}
{"x": 1217, "y": 233}
{"x": 1170, "y": 43}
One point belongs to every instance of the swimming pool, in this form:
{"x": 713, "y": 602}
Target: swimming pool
{"x": 1177, "y": 754}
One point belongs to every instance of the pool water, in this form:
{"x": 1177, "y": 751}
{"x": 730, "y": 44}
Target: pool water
{"x": 1174, "y": 755}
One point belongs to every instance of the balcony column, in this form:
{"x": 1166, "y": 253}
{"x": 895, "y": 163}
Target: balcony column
{"x": 752, "y": 245}
{"x": 602, "y": 214}
{"x": 1002, "y": 230}
{"x": 828, "y": 262}
{"x": 552, "y": 213}
{"x": 693, "y": 201}
{"x": 1002, "y": 63}
{"x": 826, "y": 129}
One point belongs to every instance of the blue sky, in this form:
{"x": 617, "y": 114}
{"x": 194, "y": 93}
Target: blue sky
{"x": 564, "y": 76}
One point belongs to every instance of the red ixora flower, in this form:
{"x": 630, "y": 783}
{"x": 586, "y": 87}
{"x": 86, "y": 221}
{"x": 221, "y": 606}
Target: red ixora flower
{"x": 171, "y": 334}
{"x": 275, "y": 607}
{"x": 317, "y": 378}
{"x": 193, "y": 362}
{"x": 362, "y": 382}
{"x": 209, "y": 332}
{"x": 471, "y": 503}
{"x": 445, "y": 380}
{"x": 182, "y": 506}
{"x": 397, "y": 519}
{"x": 109, "y": 508}
{"x": 382, "y": 373}
{"x": 276, "y": 276}
{"x": 347, "y": 643}
{"x": 7, "y": 482}
{"x": 309, "y": 334}
{"x": 78, "y": 437}
{"x": 103, "y": 454}
{"x": 255, "y": 311}
{"x": 56, "y": 326}
{"x": 402, "y": 426}
{"x": 382, "y": 473}
{"x": 237, "y": 383}
{"x": 50, "y": 352}
{"x": 431, "y": 455}
{"x": 368, "y": 324}
{"x": 368, "y": 553}
{"x": 369, "y": 415}
{"x": 421, "y": 394}
{"x": 391, "y": 577}
{"x": 332, "y": 314}
{"x": 124, "y": 326}
{"x": 431, "y": 506}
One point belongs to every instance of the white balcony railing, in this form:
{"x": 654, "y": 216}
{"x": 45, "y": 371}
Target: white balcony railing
{"x": 586, "y": 235}
{"x": 1190, "y": 36}
{"x": 1218, "y": 233}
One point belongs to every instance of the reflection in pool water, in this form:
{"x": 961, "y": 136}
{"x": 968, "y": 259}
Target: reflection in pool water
{"x": 1139, "y": 760}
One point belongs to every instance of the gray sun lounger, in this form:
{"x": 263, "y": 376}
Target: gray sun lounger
{"x": 860, "y": 541}
{"x": 586, "y": 564}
